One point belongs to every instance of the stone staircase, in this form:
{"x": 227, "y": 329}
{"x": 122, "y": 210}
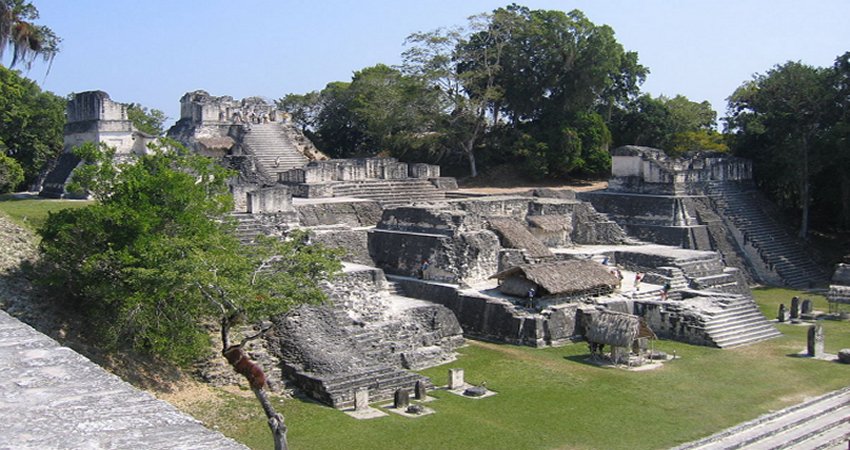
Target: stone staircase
{"x": 820, "y": 423}
{"x": 381, "y": 380}
{"x": 391, "y": 193}
{"x": 272, "y": 148}
{"x": 395, "y": 288}
{"x": 738, "y": 323}
{"x": 247, "y": 228}
{"x": 780, "y": 252}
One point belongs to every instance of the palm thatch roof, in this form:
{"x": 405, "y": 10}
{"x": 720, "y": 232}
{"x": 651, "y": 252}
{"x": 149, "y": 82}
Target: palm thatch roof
{"x": 571, "y": 277}
{"x": 550, "y": 223}
{"x": 616, "y": 329}
{"x": 513, "y": 234}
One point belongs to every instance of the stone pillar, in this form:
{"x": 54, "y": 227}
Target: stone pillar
{"x": 455, "y": 378}
{"x": 806, "y": 307}
{"x": 361, "y": 399}
{"x": 419, "y": 391}
{"x": 401, "y": 399}
{"x": 795, "y": 308}
{"x": 814, "y": 344}
{"x": 781, "y": 315}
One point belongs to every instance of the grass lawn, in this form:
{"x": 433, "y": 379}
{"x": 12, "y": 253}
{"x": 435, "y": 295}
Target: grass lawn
{"x": 32, "y": 212}
{"x": 552, "y": 399}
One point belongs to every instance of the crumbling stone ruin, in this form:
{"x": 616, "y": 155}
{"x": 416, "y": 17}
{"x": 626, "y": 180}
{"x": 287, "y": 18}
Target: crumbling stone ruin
{"x": 424, "y": 269}
{"x": 93, "y": 117}
{"x": 839, "y": 290}
{"x": 704, "y": 202}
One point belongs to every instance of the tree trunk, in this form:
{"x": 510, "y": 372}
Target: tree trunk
{"x": 275, "y": 420}
{"x": 844, "y": 219}
{"x": 473, "y": 170}
{"x": 252, "y": 372}
{"x": 804, "y": 191}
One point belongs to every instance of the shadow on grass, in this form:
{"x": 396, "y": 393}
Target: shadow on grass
{"x": 583, "y": 359}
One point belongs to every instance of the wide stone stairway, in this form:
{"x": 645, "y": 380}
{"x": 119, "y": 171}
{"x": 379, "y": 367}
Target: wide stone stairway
{"x": 273, "y": 149}
{"x": 739, "y": 323}
{"x": 391, "y": 193}
{"x": 820, "y": 423}
{"x": 780, "y": 252}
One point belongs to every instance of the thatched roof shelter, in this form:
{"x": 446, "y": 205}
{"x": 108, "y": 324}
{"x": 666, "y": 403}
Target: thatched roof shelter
{"x": 616, "y": 329}
{"x": 513, "y": 234}
{"x": 550, "y": 223}
{"x": 570, "y": 277}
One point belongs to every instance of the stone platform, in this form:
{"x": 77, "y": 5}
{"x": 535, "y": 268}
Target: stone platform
{"x": 52, "y": 397}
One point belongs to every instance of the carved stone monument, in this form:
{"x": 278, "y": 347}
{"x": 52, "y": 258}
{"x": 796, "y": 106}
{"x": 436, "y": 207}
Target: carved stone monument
{"x": 781, "y": 315}
{"x": 795, "y": 308}
{"x": 361, "y": 399}
{"x": 456, "y": 378}
{"x": 419, "y": 391}
{"x": 806, "y": 309}
{"x": 814, "y": 344}
{"x": 401, "y": 399}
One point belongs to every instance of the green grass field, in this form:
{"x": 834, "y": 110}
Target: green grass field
{"x": 551, "y": 398}
{"x": 32, "y": 212}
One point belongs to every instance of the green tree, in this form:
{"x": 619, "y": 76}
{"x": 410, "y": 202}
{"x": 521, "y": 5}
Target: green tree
{"x": 154, "y": 261}
{"x": 303, "y": 109}
{"x": 11, "y": 174}
{"x": 31, "y": 123}
{"x": 27, "y": 40}
{"x": 780, "y": 120}
{"x": 147, "y": 121}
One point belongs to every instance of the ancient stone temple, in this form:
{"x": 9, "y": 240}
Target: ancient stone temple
{"x": 704, "y": 201}
{"x": 93, "y": 117}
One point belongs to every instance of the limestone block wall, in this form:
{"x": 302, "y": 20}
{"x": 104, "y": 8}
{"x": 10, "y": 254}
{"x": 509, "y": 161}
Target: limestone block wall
{"x": 269, "y": 200}
{"x": 498, "y": 320}
{"x": 670, "y": 322}
{"x": 465, "y": 257}
{"x": 353, "y": 214}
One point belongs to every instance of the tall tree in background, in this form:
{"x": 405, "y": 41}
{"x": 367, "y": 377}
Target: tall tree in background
{"x": 833, "y": 186}
{"x": 31, "y": 123}
{"x": 676, "y": 125}
{"x": 27, "y": 40}
{"x": 781, "y": 120}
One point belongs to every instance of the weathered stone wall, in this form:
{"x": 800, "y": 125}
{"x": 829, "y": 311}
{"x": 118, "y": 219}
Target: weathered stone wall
{"x": 649, "y": 171}
{"x": 353, "y": 214}
{"x": 469, "y": 256}
{"x": 353, "y": 242}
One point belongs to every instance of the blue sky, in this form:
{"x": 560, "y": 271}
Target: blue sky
{"x": 152, "y": 52}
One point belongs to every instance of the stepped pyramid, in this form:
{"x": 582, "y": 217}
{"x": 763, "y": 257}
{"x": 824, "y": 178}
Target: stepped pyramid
{"x": 273, "y": 148}
{"x": 743, "y": 209}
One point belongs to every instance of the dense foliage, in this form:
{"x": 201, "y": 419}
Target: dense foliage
{"x": 31, "y": 123}
{"x": 154, "y": 260}
{"x": 147, "y": 121}
{"x": 546, "y": 91}
{"x": 793, "y": 122}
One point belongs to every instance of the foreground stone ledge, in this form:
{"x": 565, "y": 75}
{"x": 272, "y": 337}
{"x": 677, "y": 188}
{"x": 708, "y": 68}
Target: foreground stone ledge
{"x": 53, "y": 397}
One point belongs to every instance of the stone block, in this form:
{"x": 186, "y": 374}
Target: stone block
{"x": 269, "y": 200}
{"x": 456, "y": 378}
{"x": 844, "y": 356}
{"x": 401, "y": 399}
{"x": 361, "y": 399}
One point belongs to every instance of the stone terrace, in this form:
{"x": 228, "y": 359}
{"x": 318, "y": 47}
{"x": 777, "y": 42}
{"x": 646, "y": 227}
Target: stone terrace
{"x": 53, "y": 397}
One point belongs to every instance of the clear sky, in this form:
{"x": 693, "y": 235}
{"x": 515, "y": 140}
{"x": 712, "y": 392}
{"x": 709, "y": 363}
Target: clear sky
{"x": 152, "y": 52}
